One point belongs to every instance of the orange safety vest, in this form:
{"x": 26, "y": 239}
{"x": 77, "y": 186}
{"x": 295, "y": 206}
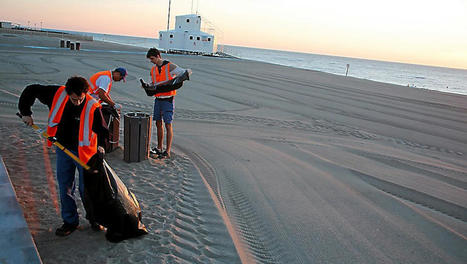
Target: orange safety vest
{"x": 158, "y": 78}
{"x": 93, "y": 80}
{"x": 87, "y": 145}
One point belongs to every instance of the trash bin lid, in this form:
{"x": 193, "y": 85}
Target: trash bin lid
{"x": 136, "y": 114}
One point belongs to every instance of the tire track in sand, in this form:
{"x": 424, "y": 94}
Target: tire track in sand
{"x": 251, "y": 238}
{"x": 183, "y": 223}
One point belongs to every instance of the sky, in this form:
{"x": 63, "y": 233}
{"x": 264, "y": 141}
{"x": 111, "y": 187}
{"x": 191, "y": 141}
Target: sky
{"x": 428, "y": 32}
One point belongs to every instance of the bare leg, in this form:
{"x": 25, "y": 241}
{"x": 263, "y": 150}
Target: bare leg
{"x": 160, "y": 134}
{"x": 169, "y": 137}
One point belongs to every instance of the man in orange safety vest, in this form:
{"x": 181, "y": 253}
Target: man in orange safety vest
{"x": 162, "y": 72}
{"x": 75, "y": 120}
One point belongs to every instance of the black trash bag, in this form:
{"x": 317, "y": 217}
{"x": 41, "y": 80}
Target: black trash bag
{"x": 174, "y": 84}
{"x": 108, "y": 110}
{"x": 108, "y": 202}
{"x": 112, "y": 119}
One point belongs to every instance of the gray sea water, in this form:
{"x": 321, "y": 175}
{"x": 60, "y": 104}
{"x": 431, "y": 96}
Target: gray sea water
{"x": 410, "y": 75}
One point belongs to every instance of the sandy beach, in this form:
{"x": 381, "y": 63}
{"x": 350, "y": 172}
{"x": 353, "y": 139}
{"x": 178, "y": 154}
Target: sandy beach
{"x": 271, "y": 164}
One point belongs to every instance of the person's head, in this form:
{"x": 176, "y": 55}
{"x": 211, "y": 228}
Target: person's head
{"x": 154, "y": 56}
{"x": 119, "y": 74}
{"x": 76, "y": 87}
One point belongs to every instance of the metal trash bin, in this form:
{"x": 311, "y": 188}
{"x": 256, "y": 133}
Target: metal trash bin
{"x": 68, "y": 44}
{"x": 78, "y": 46}
{"x": 62, "y": 43}
{"x": 137, "y": 136}
{"x": 72, "y": 46}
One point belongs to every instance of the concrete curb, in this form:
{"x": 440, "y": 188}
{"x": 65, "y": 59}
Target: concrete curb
{"x": 16, "y": 243}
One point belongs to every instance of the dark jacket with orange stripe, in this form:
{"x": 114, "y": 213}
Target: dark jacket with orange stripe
{"x": 69, "y": 126}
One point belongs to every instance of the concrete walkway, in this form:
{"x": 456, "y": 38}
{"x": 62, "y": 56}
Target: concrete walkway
{"x": 16, "y": 244}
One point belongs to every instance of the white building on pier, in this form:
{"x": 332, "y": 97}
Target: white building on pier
{"x": 187, "y": 36}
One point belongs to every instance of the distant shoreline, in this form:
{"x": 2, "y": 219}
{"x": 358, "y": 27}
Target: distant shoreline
{"x": 411, "y": 76}
{"x": 27, "y": 31}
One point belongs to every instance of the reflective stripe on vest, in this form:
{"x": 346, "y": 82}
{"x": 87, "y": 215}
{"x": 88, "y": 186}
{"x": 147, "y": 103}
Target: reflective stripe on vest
{"x": 87, "y": 145}
{"x": 60, "y": 99}
{"x": 87, "y": 139}
{"x": 86, "y": 126}
{"x": 55, "y": 113}
{"x": 160, "y": 78}
{"x": 96, "y": 76}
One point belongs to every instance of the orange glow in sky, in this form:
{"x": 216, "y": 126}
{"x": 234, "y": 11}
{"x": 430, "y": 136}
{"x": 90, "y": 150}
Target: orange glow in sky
{"x": 429, "y": 32}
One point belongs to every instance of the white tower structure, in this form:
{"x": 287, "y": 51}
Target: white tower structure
{"x": 187, "y": 36}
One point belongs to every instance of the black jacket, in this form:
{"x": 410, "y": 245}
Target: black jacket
{"x": 68, "y": 128}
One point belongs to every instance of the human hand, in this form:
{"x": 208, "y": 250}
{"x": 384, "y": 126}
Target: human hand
{"x": 114, "y": 111}
{"x": 143, "y": 83}
{"x": 101, "y": 150}
{"x": 28, "y": 120}
{"x": 118, "y": 107}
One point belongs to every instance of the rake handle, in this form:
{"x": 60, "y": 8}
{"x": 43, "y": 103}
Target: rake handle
{"x": 60, "y": 146}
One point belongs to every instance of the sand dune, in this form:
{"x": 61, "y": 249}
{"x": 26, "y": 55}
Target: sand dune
{"x": 272, "y": 165}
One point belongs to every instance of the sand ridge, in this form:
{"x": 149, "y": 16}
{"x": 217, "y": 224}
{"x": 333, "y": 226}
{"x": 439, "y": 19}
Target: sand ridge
{"x": 184, "y": 225}
{"x": 308, "y": 167}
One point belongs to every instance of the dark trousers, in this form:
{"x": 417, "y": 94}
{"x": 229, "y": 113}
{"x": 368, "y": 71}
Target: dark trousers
{"x": 66, "y": 168}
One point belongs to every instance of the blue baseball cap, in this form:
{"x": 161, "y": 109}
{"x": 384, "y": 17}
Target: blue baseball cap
{"x": 122, "y": 72}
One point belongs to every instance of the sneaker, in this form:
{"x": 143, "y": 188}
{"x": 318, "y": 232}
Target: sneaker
{"x": 155, "y": 151}
{"x": 65, "y": 229}
{"x": 96, "y": 227}
{"x": 164, "y": 155}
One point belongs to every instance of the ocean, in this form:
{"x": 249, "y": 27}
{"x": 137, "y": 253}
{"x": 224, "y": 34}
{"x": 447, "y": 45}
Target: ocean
{"x": 412, "y": 76}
